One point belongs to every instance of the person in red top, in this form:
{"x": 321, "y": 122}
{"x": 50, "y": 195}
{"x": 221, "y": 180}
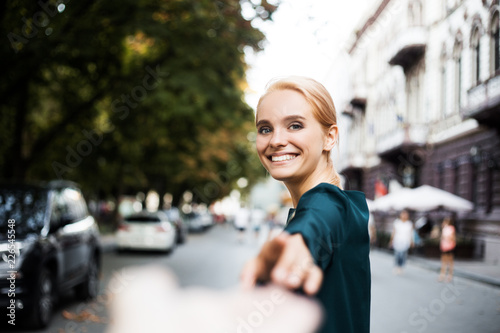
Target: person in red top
{"x": 447, "y": 245}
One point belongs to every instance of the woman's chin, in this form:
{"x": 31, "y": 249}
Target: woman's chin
{"x": 280, "y": 175}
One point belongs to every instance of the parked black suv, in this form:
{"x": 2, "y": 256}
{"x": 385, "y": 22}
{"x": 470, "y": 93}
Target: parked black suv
{"x": 48, "y": 243}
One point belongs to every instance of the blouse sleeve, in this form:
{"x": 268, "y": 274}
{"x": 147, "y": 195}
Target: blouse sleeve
{"x": 319, "y": 219}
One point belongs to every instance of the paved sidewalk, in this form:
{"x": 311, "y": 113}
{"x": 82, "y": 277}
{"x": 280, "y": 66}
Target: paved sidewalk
{"x": 482, "y": 271}
{"x": 478, "y": 270}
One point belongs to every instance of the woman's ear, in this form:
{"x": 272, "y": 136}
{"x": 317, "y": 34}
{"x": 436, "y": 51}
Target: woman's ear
{"x": 331, "y": 138}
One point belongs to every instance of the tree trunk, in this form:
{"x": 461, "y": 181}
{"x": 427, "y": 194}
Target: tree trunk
{"x": 16, "y": 168}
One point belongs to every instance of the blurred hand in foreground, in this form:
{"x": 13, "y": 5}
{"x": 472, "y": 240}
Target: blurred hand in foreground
{"x": 153, "y": 302}
{"x": 285, "y": 261}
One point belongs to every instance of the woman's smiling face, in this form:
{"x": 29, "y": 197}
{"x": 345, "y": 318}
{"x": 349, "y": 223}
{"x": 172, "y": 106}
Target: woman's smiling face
{"x": 290, "y": 141}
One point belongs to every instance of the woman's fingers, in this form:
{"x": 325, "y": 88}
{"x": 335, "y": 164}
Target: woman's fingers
{"x": 260, "y": 267}
{"x": 295, "y": 267}
{"x": 313, "y": 281}
{"x": 248, "y": 276}
{"x": 282, "y": 268}
{"x": 286, "y": 261}
{"x": 290, "y": 269}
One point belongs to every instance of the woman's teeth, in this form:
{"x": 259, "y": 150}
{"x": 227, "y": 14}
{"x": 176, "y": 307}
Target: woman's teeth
{"x": 282, "y": 158}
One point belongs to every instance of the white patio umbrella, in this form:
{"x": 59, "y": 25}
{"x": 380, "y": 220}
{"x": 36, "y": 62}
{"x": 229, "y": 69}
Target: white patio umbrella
{"x": 396, "y": 200}
{"x": 430, "y": 198}
{"x": 423, "y": 198}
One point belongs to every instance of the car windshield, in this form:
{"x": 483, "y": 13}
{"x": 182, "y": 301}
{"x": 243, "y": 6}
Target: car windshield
{"x": 142, "y": 218}
{"x": 27, "y": 206}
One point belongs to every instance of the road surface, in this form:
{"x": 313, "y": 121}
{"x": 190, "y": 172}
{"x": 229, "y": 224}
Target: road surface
{"x": 411, "y": 303}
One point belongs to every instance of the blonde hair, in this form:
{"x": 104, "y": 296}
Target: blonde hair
{"x": 316, "y": 95}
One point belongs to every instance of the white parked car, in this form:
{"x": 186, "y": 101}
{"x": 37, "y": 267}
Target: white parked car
{"x": 199, "y": 221}
{"x": 146, "y": 231}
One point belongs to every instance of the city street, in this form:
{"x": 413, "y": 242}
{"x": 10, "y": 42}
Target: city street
{"x": 189, "y": 128}
{"x": 412, "y": 302}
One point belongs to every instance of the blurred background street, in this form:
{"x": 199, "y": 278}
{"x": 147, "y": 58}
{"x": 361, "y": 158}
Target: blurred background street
{"x": 131, "y": 125}
{"x": 412, "y": 302}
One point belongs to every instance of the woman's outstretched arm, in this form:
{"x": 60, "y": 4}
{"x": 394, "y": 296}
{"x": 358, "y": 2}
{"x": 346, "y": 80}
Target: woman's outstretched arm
{"x": 286, "y": 261}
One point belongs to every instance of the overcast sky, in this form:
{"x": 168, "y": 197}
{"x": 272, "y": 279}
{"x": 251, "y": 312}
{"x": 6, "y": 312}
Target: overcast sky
{"x": 306, "y": 38}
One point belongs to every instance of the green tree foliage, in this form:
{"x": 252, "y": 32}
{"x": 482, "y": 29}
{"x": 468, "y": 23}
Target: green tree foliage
{"x": 128, "y": 95}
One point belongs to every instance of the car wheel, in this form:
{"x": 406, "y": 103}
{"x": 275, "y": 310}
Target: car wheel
{"x": 89, "y": 288}
{"x": 178, "y": 236}
{"x": 44, "y": 299}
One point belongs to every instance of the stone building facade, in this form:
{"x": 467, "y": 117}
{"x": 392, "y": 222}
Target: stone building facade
{"x": 425, "y": 105}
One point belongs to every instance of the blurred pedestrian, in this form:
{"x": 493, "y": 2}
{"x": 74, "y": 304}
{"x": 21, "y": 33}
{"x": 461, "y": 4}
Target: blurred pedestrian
{"x": 274, "y": 225}
{"x": 241, "y": 221}
{"x": 401, "y": 240}
{"x": 447, "y": 245}
{"x": 325, "y": 247}
{"x": 257, "y": 217}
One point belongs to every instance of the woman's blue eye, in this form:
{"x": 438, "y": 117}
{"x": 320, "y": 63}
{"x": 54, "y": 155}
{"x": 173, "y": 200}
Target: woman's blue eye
{"x": 264, "y": 130}
{"x": 296, "y": 126}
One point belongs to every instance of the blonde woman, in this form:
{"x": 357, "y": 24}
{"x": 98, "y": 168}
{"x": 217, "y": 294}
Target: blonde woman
{"x": 324, "y": 249}
{"x": 447, "y": 246}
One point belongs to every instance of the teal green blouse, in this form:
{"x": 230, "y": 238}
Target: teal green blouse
{"x": 334, "y": 225}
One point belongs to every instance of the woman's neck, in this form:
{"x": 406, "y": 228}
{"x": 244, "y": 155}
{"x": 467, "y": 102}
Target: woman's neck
{"x": 298, "y": 188}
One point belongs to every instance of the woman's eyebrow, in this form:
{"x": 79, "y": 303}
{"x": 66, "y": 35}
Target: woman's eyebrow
{"x": 286, "y": 119}
{"x": 294, "y": 117}
{"x": 262, "y": 122}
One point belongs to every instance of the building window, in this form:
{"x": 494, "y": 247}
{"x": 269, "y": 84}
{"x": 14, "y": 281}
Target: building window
{"x": 473, "y": 184}
{"x": 440, "y": 176}
{"x": 458, "y": 82}
{"x": 475, "y": 162}
{"x": 444, "y": 86}
{"x": 476, "y": 56}
{"x": 415, "y": 13}
{"x": 495, "y": 43}
{"x": 456, "y": 178}
{"x": 489, "y": 189}
{"x": 457, "y": 55}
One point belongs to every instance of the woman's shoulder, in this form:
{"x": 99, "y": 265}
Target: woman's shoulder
{"x": 330, "y": 191}
{"x": 330, "y": 213}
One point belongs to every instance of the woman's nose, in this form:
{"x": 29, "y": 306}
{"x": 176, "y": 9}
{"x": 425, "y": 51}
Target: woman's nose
{"x": 278, "y": 139}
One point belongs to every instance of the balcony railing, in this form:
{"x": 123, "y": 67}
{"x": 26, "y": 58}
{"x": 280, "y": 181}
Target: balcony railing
{"x": 482, "y": 100}
{"x": 355, "y": 160}
{"x": 404, "y": 136}
{"x": 356, "y": 105}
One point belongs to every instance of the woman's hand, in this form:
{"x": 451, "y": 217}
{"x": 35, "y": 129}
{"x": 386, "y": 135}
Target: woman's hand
{"x": 149, "y": 299}
{"x": 285, "y": 261}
